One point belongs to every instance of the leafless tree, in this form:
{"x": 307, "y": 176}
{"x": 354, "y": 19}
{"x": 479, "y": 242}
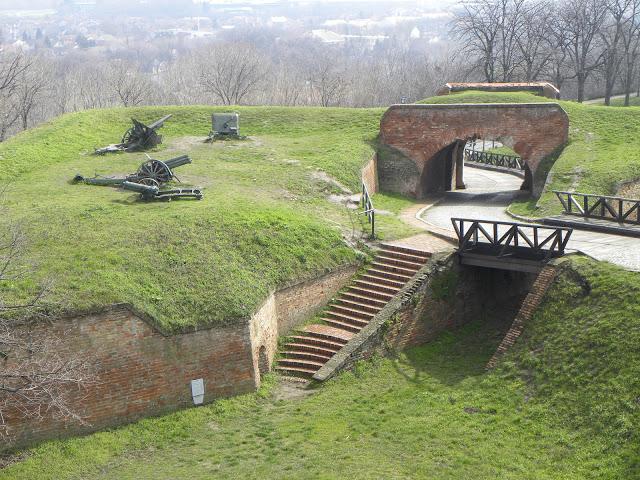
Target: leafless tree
{"x": 31, "y": 85}
{"x": 611, "y": 35}
{"x": 580, "y": 23}
{"x": 128, "y": 85}
{"x": 478, "y": 27}
{"x": 510, "y": 22}
{"x": 39, "y": 375}
{"x": 630, "y": 43}
{"x": 230, "y": 72}
{"x": 535, "y": 43}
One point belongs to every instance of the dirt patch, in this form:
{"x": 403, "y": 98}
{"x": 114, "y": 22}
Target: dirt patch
{"x": 289, "y": 389}
{"x": 9, "y": 458}
{"x": 629, "y": 189}
{"x": 321, "y": 176}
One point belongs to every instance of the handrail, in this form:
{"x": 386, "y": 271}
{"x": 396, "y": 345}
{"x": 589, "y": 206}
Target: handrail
{"x": 369, "y": 211}
{"x": 498, "y": 159}
{"x": 604, "y": 207}
{"x": 489, "y": 233}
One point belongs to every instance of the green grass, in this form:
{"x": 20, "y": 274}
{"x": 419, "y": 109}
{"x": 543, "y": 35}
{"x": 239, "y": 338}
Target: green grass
{"x": 603, "y": 149}
{"x": 265, "y": 219}
{"x": 563, "y": 405}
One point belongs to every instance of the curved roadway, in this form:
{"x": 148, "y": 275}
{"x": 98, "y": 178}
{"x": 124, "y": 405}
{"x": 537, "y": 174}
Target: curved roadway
{"x": 489, "y": 193}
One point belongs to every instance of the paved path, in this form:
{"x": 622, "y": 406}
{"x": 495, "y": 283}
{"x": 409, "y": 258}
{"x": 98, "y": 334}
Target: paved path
{"x": 488, "y": 194}
{"x": 600, "y": 101}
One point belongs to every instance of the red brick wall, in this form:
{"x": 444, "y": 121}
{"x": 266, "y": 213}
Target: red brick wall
{"x": 370, "y": 175}
{"x": 141, "y": 372}
{"x": 416, "y": 133}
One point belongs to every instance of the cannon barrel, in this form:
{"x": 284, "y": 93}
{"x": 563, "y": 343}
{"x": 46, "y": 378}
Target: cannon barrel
{"x": 160, "y": 123}
{"x": 97, "y": 180}
{"x": 178, "y": 161}
{"x": 147, "y": 191}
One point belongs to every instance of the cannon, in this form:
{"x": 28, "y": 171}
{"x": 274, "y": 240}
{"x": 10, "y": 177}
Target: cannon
{"x": 151, "y": 192}
{"x": 224, "y": 126}
{"x": 152, "y": 172}
{"x": 138, "y": 137}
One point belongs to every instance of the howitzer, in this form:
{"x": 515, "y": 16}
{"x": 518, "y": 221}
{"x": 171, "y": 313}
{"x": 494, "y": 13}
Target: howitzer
{"x": 152, "y": 172}
{"x": 138, "y": 137}
{"x": 148, "y": 192}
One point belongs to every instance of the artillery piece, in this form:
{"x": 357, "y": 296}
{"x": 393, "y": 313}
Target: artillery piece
{"x": 138, "y": 137}
{"x": 224, "y": 126}
{"x": 152, "y": 172}
{"x": 153, "y": 192}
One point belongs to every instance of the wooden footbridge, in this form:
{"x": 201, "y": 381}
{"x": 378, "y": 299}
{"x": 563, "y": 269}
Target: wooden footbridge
{"x": 508, "y": 245}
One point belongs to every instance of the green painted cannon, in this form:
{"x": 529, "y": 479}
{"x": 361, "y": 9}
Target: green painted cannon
{"x": 151, "y": 192}
{"x": 152, "y": 172}
{"x": 138, "y": 137}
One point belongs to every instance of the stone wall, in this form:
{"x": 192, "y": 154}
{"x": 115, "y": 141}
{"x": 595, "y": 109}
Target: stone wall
{"x": 141, "y": 372}
{"x": 443, "y": 295}
{"x": 412, "y": 136}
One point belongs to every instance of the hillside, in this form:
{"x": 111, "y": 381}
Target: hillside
{"x": 266, "y": 218}
{"x": 603, "y": 149}
{"x": 563, "y": 404}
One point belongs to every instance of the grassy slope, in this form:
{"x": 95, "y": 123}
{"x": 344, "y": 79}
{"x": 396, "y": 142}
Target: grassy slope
{"x": 564, "y": 405}
{"x": 265, "y": 219}
{"x": 603, "y": 149}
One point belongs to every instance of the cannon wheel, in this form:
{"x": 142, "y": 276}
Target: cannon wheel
{"x": 149, "y": 182}
{"x": 126, "y": 138}
{"x": 156, "y": 170}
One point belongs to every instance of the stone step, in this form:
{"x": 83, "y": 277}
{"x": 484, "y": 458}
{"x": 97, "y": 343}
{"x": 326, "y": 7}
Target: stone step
{"x": 407, "y": 250}
{"x": 405, "y": 256}
{"x": 345, "y": 317}
{"x": 400, "y": 262}
{"x": 305, "y": 347}
{"x": 377, "y": 286}
{"x": 300, "y": 362}
{"x": 408, "y": 272}
{"x": 321, "y": 342}
{"x": 306, "y": 355}
{"x": 399, "y": 277}
{"x": 366, "y": 306}
{"x": 297, "y": 371}
{"x": 327, "y": 336}
{"x": 375, "y": 293}
{"x": 364, "y": 298}
{"x": 342, "y": 324}
{"x": 355, "y": 312}
{"x": 380, "y": 279}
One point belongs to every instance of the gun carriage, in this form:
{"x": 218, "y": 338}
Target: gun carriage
{"x": 138, "y": 137}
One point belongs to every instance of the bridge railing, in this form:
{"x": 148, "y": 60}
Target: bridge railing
{"x": 509, "y": 238}
{"x": 619, "y": 209}
{"x": 496, "y": 159}
{"x": 369, "y": 211}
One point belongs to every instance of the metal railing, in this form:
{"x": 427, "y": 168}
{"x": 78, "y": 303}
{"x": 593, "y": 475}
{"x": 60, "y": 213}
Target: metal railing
{"x": 619, "y": 209}
{"x": 496, "y": 159}
{"x": 506, "y": 238}
{"x": 369, "y": 211}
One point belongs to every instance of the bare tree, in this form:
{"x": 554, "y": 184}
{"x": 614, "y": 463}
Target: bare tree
{"x": 128, "y": 85}
{"x": 630, "y": 48}
{"x": 231, "y": 71}
{"x": 478, "y": 26}
{"x": 38, "y": 374}
{"x": 612, "y": 36}
{"x": 535, "y": 44}
{"x": 580, "y": 23}
{"x": 510, "y": 21}
{"x": 31, "y": 85}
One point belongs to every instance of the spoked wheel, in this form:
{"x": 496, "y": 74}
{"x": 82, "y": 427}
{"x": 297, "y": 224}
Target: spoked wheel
{"x": 149, "y": 182}
{"x": 156, "y": 170}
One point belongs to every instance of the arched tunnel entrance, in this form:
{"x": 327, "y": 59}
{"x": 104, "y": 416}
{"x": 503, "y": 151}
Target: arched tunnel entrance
{"x": 422, "y": 146}
{"x": 445, "y": 170}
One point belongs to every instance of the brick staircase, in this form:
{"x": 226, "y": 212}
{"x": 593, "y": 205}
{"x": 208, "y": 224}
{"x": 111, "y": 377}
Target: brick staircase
{"x": 529, "y": 305}
{"x": 309, "y": 349}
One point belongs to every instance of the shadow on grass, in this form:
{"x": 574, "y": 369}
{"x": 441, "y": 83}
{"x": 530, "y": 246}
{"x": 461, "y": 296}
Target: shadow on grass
{"x": 455, "y": 354}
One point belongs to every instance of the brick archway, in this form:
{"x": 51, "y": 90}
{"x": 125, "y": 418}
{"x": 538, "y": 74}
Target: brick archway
{"x": 416, "y": 140}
